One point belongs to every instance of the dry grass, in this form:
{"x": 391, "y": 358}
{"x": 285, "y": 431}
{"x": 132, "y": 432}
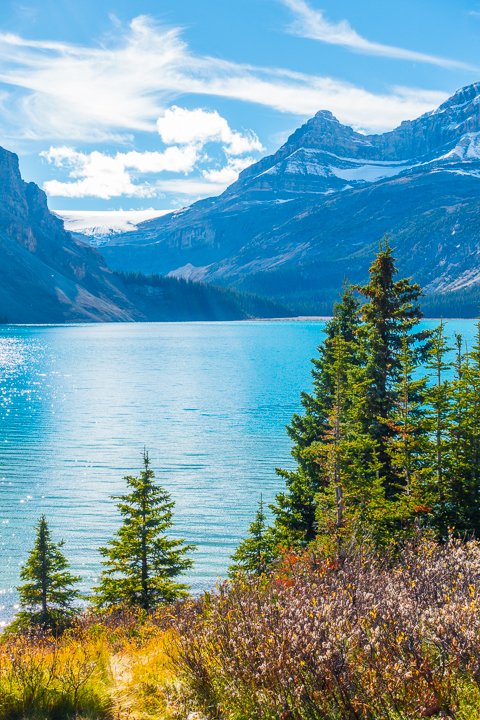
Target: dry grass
{"x": 113, "y": 667}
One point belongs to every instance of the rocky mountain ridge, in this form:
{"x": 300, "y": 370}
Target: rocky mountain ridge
{"x": 46, "y": 275}
{"x": 49, "y": 276}
{"x": 323, "y": 199}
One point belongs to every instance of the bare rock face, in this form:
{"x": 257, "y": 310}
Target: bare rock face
{"x": 316, "y": 208}
{"x": 45, "y": 274}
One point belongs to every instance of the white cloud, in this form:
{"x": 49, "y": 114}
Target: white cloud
{"x": 312, "y": 23}
{"x": 98, "y": 174}
{"x": 76, "y": 92}
{"x": 179, "y": 125}
{"x": 228, "y": 174}
{"x": 106, "y": 176}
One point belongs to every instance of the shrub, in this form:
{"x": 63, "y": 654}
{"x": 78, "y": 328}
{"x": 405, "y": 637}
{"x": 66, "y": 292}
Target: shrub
{"x": 341, "y": 638}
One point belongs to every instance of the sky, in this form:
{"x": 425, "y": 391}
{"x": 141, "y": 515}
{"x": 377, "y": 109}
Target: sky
{"x": 153, "y": 104}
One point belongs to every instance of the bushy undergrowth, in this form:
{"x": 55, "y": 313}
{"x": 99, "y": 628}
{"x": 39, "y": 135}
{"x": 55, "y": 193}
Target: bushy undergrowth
{"x": 109, "y": 666}
{"x": 345, "y": 638}
{"x": 353, "y": 636}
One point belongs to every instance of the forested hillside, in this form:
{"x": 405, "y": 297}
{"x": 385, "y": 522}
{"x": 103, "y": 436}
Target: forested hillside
{"x": 170, "y": 298}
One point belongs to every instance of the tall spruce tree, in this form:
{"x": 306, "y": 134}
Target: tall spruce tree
{"x": 295, "y": 509}
{"x": 141, "y": 561}
{"x": 391, "y": 310}
{"x": 254, "y": 554}
{"x": 47, "y": 596}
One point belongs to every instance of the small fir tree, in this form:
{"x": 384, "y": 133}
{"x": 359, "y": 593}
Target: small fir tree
{"x": 254, "y": 554}
{"x": 408, "y": 444}
{"x": 458, "y": 441}
{"x": 47, "y": 596}
{"x": 141, "y": 561}
{"x": 466, "y": 494}
{"x": 353, "y": 496}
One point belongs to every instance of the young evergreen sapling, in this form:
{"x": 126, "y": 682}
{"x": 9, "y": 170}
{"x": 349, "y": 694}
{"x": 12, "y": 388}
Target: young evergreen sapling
{"x": 254, "y": 554}
{"x": 47, "y": 596}
{"x": 141, "y": 562}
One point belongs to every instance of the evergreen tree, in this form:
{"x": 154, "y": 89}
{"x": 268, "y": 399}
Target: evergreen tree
{"x": 353, "y": 495}
{"x": 458, "y": 441}
{"x": 295, "y": 509}
{"x": 466, "y": 493}
{"x": 438, "y": 456}
{"x": 47, "y": 595}
{"x": 408, "y": 420}
{"x": 392, "y": 309}
{"x": 142, "y": 562}
{"x": 254, "y": 554}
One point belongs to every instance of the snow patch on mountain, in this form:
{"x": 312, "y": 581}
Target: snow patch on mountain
{"x": 100, "y": 225}
{"x": 367, "y": 173}
{"x": 468, "y": 148}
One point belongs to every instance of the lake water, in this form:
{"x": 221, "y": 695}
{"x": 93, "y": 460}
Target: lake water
{"x": 210, "y": 402}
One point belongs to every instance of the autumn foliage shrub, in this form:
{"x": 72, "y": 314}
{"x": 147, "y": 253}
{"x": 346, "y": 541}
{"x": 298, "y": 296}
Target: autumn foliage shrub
{"x": 349, "y": 637}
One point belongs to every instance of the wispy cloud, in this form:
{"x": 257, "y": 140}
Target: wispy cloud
{"x": 311, "y": 23}
{"x": 59, "y": 90}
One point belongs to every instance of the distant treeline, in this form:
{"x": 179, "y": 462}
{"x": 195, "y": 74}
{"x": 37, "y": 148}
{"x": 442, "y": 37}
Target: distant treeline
{"x": 463, "y": 303}
{"x": 170, "y": 298}
{"x": 313, "y": 289}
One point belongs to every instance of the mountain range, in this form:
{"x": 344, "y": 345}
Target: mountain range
{"x": 49, "y": 276}
{"x": 297, "y": 221}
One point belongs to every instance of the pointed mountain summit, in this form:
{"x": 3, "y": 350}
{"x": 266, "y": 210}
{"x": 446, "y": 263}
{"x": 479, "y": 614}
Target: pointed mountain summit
{"x": 324, "y": 155}
{"x": 299, "y": 219}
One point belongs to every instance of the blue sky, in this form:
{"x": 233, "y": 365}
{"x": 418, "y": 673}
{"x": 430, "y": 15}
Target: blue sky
{"x": 154, "y": 104}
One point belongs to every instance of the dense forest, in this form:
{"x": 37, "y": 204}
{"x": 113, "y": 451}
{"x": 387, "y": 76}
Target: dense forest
{"x": 170, "y": 298}
{"x": 303, "y": 292}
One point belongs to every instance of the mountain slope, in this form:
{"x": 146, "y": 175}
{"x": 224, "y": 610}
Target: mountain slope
{"x": 49, "y": 276}
{"x": 315, "y": 209}
{"x": 45, "y": 274}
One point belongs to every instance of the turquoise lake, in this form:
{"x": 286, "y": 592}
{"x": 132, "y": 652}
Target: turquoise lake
{"x": 209, "y": 401}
